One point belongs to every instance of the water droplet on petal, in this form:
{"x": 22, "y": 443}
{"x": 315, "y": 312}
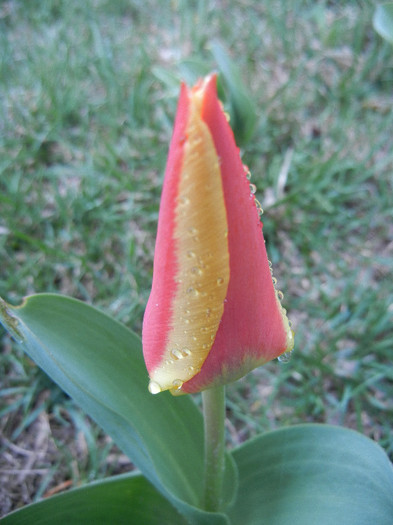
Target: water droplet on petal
{"x": 186, "y": 351}
{"x": 192, "y": 291}
{"x": 184, "y": 200}
{"x": 154, "y": 388}
{"x": 177, "y": 383}
{"x": 247, "y": 172}
{"x": 220, "y": 281}
{"x": 285, "y": 357}
{"x": 259, "y": 207}
{"x": 176, "y": 354}
{"x": 190, "y": 254}
{"x": 253, "y": 188}
{"x": 290, "y": 340}
{"x": 280, "y": 295}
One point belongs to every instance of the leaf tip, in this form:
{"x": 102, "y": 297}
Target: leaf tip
{"x": 10, "y": 322}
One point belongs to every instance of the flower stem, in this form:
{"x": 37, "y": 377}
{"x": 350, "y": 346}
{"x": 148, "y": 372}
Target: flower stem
{"x": 214, "y": 417}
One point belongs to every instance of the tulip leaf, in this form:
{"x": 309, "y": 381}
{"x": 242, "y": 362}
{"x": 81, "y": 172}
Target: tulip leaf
{"x": 124, "y": 499}
{"x": 383, "y": 21}
{"x": 242, "y": 109}
{"x": 312, "y": 474}
{"x": 99, "y": 363}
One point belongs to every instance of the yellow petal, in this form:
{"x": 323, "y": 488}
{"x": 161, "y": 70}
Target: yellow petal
{"x": 202, "y": 256}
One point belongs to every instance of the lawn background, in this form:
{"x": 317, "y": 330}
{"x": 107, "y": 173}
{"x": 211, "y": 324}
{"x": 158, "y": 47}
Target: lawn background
{"x": 87, "y": 101}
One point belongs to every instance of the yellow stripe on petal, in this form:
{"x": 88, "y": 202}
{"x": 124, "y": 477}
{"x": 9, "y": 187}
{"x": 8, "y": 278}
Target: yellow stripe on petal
{"x": 203, "y": 259}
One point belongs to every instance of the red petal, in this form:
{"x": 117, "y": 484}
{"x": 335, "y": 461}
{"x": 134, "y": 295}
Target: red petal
{"x": 158, "y": 309}
{"x": 254, "y": 328}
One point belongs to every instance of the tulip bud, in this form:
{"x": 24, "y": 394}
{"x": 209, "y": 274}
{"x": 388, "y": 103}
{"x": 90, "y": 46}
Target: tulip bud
{"x": 214, "y": 313}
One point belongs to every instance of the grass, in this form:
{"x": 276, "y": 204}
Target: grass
{"x": 88, "y": 97}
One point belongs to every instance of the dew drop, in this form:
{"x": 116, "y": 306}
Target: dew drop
{"x": 192, "y": 291}
{"x": 274, "y": 281}
{"x": 184, "y": 200}
{"x": 154, "y": 388}
{"x": 192, "y": 231}
{"x": 190, "y": 254}
{"x": 208, "y": 312}
{"x": 177, "y": 383}
{"x": 168, "y": 362}
{"x": 280, "y": 295}
{"x": 259, "y": 207}
{"x": 220, "y": 281}
{"x": 247, "y": 172}
{"x": 186, "y": 352}
{"x": 196, "y": 271}
{"x": 191, "y": 368}
{"x": 290, "y": 340}
{"x": 253, "y": 188}
{"x": 176, "y": 354}
{"x": 285, "y": 357}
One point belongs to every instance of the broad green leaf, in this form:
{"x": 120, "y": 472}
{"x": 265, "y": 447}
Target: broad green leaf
{"x": 99, "y": 363}
{"x": 383, "y": 21}
{"x": 313, "y": 474}
{"x": 122, "y": 500}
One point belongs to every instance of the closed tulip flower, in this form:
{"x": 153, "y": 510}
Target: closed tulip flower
{"x": 214, "y": 313}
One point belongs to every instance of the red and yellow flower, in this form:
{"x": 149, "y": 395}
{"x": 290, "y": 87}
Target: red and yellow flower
{"x": 214, "y": 313}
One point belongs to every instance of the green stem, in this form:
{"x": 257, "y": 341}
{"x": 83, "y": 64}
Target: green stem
{"x": 214, "y": 417}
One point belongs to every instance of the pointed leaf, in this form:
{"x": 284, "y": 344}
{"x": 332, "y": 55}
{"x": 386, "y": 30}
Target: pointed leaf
{"x": 99, "y": 363}
{"x": 242, "y": 110}
{"x": 313, "y": 474}
{"x": 121, "y": 500}
{"x": 383, "y": 21}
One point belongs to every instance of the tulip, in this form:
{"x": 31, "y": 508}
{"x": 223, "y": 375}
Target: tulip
{"x": 214, "y": 312}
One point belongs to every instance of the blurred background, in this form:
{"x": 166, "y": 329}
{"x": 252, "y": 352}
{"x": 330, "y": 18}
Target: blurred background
{"x": 87, "y": 101}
